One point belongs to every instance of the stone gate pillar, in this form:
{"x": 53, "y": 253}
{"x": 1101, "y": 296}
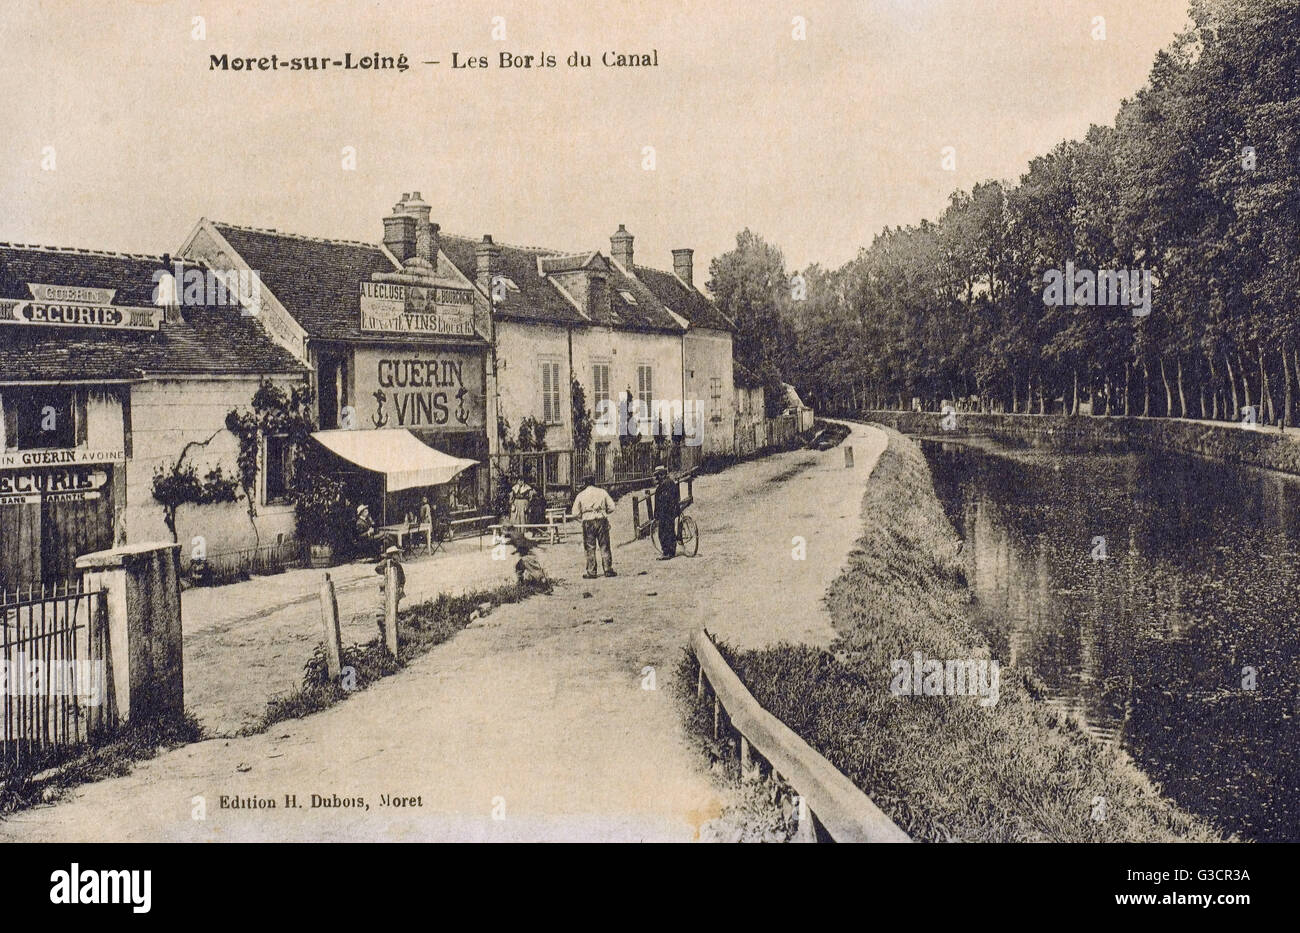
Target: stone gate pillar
{"x": 142, "y": 583}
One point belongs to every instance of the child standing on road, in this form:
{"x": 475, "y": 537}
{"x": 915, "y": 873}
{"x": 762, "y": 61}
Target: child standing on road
{"x": 393, "y": 556}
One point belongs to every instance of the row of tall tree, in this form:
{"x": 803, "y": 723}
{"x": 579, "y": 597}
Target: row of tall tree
{"x": 1197, "y": 184}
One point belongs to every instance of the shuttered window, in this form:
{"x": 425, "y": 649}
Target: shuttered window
{"x": 645, "y": 389}
{"x": 599, "y": 384}
{"x": 644, "y": 396}
{"x": 551, "y": 393}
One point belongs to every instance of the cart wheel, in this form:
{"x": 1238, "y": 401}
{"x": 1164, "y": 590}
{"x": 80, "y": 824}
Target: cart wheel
{"x": 689, "y": 536}
{"x": 654, "y": 537}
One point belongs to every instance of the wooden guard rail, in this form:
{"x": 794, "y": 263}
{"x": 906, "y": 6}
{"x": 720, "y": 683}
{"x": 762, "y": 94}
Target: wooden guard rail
{"x": 836, "y": 803}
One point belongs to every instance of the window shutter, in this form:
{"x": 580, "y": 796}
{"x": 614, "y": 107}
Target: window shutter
{"x": 555, "y": 390}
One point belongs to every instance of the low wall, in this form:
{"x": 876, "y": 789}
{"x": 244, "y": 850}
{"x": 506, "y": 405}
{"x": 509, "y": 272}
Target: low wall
{"x": 1262, "y": 446}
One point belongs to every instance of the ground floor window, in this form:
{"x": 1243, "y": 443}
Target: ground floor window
{"x": 278, "y": 469}
{"x": 38, "y": 417}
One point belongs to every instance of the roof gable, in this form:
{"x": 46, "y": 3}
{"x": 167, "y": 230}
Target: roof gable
{"x": 316, "y": 280}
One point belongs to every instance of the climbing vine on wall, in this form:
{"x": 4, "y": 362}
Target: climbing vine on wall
{"x": 275, "y": 412}
{"x": 180, "y": 485}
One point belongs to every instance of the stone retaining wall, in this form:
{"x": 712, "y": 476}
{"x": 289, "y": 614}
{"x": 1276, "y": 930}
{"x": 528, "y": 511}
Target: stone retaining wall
{"x": 1262, "y": 446}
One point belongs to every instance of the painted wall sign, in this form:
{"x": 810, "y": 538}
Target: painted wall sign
{"x": 37, "y": 498}
{"x": 419, "y": 388}
{"x": 413, "y": 309}
{"x": 34, "y": 484}
{"x": 75, "y": 306}
{"x": 28, "y": 458}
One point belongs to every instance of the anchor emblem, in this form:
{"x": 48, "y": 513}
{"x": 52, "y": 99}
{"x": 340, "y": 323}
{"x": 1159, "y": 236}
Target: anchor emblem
{"x": 462, "y": 415}
{"x": 380, "y": 417}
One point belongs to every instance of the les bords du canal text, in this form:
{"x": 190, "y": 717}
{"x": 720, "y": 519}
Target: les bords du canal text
{"x": 459, "y": 61}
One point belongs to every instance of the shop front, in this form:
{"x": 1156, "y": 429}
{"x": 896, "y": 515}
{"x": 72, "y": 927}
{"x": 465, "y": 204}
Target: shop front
{"x": 437, "y": 394}
{"x": 50, "y": 515}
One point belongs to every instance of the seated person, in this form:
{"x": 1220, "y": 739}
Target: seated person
{"x": 369, "y": 541}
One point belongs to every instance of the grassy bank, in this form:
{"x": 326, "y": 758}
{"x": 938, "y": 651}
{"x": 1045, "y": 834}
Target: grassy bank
{"x": 419, "y": 629}
{"x": 43, "y": 780}
{"x": 944, "y": 768}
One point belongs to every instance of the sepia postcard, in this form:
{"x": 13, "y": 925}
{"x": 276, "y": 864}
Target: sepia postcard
{"x": 654, "y": 421}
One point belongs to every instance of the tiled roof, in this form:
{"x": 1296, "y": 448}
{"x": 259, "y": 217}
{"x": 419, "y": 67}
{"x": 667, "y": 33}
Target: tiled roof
{"x": 688, "y": 302}
{"x": 316, "y": 280}
{"x": 208, "y": 341}
{"x": 535, "y": 300}
{"x": 648, "y": 312}
{"x": 538, "y": 299}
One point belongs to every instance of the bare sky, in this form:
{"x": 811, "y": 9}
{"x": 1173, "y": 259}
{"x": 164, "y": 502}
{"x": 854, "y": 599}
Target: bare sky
{"x": 814, "y": 144}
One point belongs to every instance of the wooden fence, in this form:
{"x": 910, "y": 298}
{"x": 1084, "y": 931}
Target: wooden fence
{"x": 558, "y": 473}
{"x": 839, "y": 811}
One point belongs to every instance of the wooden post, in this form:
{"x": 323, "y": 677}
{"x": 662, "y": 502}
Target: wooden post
{"x": 390, "y": 607}
{"x": 804, "y": 829}
{"x": 747, "y": 770}
{"x": 329, "y": 610}
{"x": 699, "y": 683}
{"x": 848, "y": 457}
{"x": 717, "y": 706}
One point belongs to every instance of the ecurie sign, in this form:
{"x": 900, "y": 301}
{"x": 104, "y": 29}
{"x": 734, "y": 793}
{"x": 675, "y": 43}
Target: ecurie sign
{"x": 416, "y": 309}
{"x": 63, "y": 485}
{"x": 72, "y": 306}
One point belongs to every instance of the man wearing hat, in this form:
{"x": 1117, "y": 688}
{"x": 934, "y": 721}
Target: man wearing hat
{"x": 594, "y": 506}
{"x": 668, "y": 499}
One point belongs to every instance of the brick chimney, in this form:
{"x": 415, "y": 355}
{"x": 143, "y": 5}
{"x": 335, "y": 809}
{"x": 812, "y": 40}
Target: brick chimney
{"x": 487, "y": 263}
{"x": 620, "y": 247}
{"x": 408, "y": 234}
{"x": 684, "y": 265}
{"x": 399, "y": 232}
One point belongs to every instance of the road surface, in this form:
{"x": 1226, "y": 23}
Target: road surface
{"x": 533, "y": 724}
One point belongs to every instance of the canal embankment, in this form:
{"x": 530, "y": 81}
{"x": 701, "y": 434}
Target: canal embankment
{"x": 1255, "y": 445}
{"x": 945, "y": 761}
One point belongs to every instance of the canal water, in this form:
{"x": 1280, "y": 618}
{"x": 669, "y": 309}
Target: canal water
{"x": 1157, "y": 596}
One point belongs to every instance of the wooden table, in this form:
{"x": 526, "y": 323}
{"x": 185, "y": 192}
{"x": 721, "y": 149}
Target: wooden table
{"x": 403, "y": 531}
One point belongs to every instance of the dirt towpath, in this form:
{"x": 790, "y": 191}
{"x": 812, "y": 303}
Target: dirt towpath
{"x": 534, "y": 723}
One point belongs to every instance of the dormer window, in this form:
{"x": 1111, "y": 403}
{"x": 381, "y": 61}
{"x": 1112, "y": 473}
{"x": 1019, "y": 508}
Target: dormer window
{"x": 628, "y": 297}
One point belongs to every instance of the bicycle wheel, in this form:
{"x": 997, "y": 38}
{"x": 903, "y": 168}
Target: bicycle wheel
{"x": 689, "y": 536}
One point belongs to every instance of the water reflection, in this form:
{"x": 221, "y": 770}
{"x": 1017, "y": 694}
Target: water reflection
{"x": 1152, "y": 643}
